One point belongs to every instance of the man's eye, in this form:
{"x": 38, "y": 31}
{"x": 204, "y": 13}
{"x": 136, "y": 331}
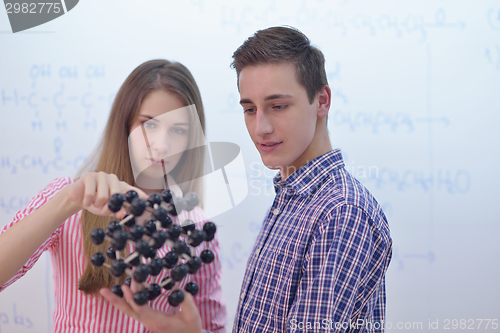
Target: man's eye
{"x": 279, "y": 107}
{"x": 249, "y": 110}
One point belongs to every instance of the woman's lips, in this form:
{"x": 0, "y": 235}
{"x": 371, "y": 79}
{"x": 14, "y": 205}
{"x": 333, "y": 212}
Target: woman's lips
{"x": 157, "y": 163}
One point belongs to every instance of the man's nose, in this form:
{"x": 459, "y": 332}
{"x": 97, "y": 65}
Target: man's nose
{"x": 263, "y": 124}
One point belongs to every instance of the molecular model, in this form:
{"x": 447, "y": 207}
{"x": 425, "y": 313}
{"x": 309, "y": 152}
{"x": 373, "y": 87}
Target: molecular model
{"x": 147, "y": 239}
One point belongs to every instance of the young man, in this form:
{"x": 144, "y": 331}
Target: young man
{"x": 320, "y": 259}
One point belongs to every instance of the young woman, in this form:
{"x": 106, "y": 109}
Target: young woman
{"x": 153, "y": 140}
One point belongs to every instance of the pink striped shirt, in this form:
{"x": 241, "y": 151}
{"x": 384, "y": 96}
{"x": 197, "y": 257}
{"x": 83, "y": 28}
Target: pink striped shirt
{"x": 76, "y": 312}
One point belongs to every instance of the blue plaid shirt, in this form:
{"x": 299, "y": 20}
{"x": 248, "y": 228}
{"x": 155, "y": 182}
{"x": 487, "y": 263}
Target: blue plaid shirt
{"x": 320, "y": 258}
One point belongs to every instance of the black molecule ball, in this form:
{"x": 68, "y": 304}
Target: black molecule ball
{"x": 97, "y": 236}
{"x": 193, "y": 265}
{"x": 197, "y": 237}
{"x": 142, "y": 247}
{"x": 178, "y": 206}
{"x": 112, "y": 227}
{"x": 117, "y": 289}
{"x": 131, "y": 195}
{"x": 179, "y": 272}
{"x": 167, "y": 222}
{"x": 151, "y": 253}
{"x": 192, "y": 288}
{"x": 192, "y": 200}
{"x": 210, "y": 230}
{"x": 169, "y": 285}
{"x": 180, "y": 247}
{"x": 111, "y": 253}
{"x": 119, "y": 240}
{"x": 141, "y": 297}
{"x": 154, "y": 199}
{"x": 176, "y": 297}
{"x": 174, "y": 231}
{"x": 207, "y": 256}
{"x": 159, "y": 238}
{"x": 141, "y": 273}
{"x": 118, "y": 268}
{"x": 153, "y": 291}
{"x": 161, "y": 215}
{"x": 115, "y": 202}
{"x": 97, "y": 259}
{"x": 167, "y": 196}
{"x": 136, "y": 232}
{"x": 137, "y": 207}
{"x": 155, "y": 266}
{"x": 170, "y": 259}
{"x": 188, "y": 225}
{"x": 150, "y": 227}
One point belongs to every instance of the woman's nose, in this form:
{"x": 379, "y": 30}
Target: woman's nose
{"x": 159, "y": 142}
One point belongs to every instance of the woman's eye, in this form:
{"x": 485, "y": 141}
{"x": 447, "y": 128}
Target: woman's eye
{"x": 179, "y": 131}
{"x": 148, "y": 124}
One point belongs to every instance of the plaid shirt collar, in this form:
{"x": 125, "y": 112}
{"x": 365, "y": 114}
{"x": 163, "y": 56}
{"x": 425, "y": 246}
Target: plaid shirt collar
{"x": 306, "y": 179}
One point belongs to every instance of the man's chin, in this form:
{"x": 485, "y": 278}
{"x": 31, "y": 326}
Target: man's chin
{"x": 271, "y": 165}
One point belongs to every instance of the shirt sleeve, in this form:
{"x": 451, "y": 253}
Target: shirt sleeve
{"x": 342, "y": 285}
{"x": 39, "y": 200}
{"x": 209, "y": 298}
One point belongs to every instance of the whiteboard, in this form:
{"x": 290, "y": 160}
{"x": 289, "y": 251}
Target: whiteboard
{"x": 415, "y": 110}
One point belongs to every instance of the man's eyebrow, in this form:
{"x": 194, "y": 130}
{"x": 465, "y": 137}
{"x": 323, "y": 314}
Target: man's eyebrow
{"x": 245, "y": 101}
{"x": 268, "y": 98}
{"x": 276, "y": 96}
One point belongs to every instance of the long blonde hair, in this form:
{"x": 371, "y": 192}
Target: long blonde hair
{"x": 112, "y": 153}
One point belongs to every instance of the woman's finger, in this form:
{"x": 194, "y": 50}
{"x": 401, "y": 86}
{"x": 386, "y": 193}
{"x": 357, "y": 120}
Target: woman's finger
{"x": 115, "y": 185}
{"x": 120, "y": 303}
{"x": 103, "y": 194}
{"x": 135, "y": 286}
{"x": 188, "y": 308}
{"x": 140, "y": 192}
{"x": 90, "y": 185}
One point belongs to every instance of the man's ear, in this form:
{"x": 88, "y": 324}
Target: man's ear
{"x": 324, "y": 99}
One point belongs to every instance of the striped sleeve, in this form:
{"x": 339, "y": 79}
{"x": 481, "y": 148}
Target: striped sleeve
{"x": 209, "y": 298}
{"x": 39, "y": 200}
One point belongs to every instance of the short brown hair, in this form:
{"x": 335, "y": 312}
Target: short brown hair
{"x": 284, "y": 44}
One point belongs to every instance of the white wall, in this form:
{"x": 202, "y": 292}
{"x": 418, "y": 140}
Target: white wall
{"x": 416, "y": 101}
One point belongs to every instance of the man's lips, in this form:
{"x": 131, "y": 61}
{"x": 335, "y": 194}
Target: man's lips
{"x": 269, "y": 145}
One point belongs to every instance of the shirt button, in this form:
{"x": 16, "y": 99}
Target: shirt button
{"x": 257, "y": 251}
{"x": 242, "y": 296}
{"x": 276, "y": 211}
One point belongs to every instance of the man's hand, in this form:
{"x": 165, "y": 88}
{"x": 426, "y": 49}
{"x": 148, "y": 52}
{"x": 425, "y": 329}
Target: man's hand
{"x": 186, "y": 321}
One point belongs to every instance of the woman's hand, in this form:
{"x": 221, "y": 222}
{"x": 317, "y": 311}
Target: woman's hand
{"x": 187, "y": 320}
{"x": 93, "y": 190}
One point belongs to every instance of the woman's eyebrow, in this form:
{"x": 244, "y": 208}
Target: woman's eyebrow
{"x": 149, "y": 117}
